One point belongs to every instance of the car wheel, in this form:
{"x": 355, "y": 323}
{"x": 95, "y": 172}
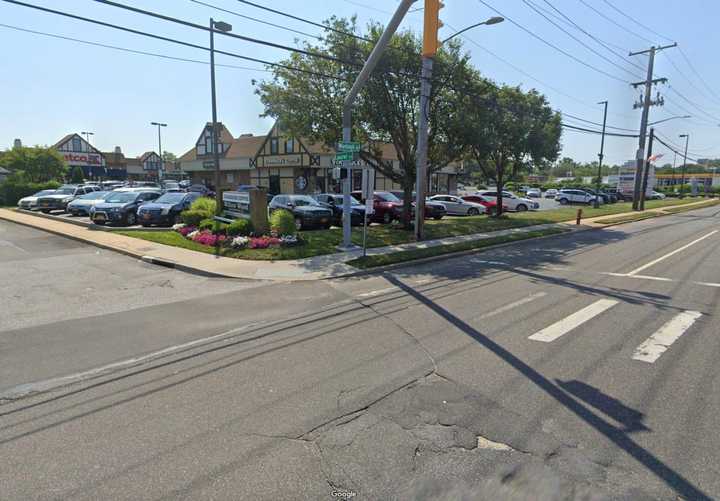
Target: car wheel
{"x": 387, "y": 218}
{"x": 327, "y": 226}
{"x": 99, "y": 223}
{"x": 131, "y": 219}
{"x": 438, "y": 217}
{"x": 145, "y": 225}
{"x": 298, "y": 224}
{"x": 473, "y": 212}
{"x": 45, "y": 211}
{"x": 521, "y": 208}
{"x": 563, "y": 201}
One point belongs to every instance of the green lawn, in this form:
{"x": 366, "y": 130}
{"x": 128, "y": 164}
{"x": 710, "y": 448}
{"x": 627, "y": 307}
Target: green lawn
{"x": 709, "y": 203}
{"x": 412, "y": 255}
{"x": 639, "y": 216}
{"x": 321, "y": 242}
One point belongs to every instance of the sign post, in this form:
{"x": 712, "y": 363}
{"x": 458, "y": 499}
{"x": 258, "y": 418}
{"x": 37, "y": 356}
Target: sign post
{"x": 368, "y": 193}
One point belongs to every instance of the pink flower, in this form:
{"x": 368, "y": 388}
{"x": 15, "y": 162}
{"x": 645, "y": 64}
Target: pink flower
{"x": 186, "y": 230}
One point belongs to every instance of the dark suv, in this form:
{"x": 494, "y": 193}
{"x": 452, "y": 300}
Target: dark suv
{"x": 121, "y": 207}
{"x": 165, "y": 211}
{"x": 307, "y": 211}
{"x": 334, "y": 202}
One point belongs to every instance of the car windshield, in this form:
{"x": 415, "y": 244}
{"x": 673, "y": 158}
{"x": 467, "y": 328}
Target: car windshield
{"x": 121, "y": 197}
{"x": 43, "y": 193}
{"x": 303, "y": 200}
{"x": 95, "y": 195}
{"x": 197, "y": 187}
{"x": 387, "y": 197}
{"x": 172, "y": 186}
{"x": 171, "y": 198}
{"x": 65, "y": 191}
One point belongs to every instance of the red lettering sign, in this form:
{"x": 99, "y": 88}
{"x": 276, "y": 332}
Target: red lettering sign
{"x": 82, "y": 158}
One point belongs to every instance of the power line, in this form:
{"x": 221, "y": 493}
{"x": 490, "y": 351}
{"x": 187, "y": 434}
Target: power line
{"x": 691, "y": 103}
{"x": 595, "y": 123}
{"x": 607, "y": 18}
{"x": 133, "y": 51}
{"x": 693, "y": 152}
{"x": 553, "y": 46}
{"x": 636, "y": 21}
{"x": 689, "y": 80}
{"x": 167, "y": 39}
{"x": 692, "y": 67}
{"x": 591, "y": 49}
{"x": 583, "y": 129}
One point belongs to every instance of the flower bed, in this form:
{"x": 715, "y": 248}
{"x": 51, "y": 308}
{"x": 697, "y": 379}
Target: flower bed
{"x": 208, "y": 238}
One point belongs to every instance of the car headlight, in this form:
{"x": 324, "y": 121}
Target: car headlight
{"x": 165, "y": 211}
{"x": 67, "y": 200}
{"x": 116, "y": 209}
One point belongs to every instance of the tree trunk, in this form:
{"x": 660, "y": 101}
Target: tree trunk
{"x": 407, "y": 204}
{"x": 500, "y": 184}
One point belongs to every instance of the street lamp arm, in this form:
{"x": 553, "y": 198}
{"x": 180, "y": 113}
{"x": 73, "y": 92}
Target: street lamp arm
{"x": 492, "y": 20}
{"x": 666, "y": 119}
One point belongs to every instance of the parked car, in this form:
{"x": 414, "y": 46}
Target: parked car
{"x": 30, "y": 203}
{"x": 456, "y": 206}
{"x": 334, "y": 202}
{"x": 573, "y": 196}
{"x": 386, "y": 206}
{"x": 490, "y": 205}
{"x": 434, "y": 210}
{"x": 121, "y": 207}
{"x": 166, "y": 209}
{"x": 202, "y": 189}
{"x": 185, "y": 184}
{"x": 551, "y": 193}
{"x": 656, "y": 195}
{"x": 92, "y": 186}
{"x": 62, "y": 196}
{"x": 172, "y": 187}
{"x": 605, "y": 198}
{"x": 111, "y": 185}
{"x": 511, "y": 201}
{"x": 533, "y": 193}
{"x": 81, "y": 205}
{"x": 307, "y": 211}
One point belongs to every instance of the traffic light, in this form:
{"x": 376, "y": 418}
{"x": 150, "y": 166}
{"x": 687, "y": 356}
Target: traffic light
{"x": 432, "y": 26}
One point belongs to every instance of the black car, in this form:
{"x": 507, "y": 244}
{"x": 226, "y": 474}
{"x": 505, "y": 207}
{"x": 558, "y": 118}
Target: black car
{"x": 202, "y": 189}
{"x": 334, "y": 202}
{"x": 165, "y": 211}
{"x": 121, "y": 207}
{"x": 307, "y": 211}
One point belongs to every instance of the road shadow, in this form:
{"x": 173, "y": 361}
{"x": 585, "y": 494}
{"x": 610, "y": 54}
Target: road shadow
{"x": 618, "y": 436}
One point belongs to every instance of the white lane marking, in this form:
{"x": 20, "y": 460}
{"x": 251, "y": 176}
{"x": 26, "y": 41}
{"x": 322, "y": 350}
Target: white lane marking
{"x": 551, "y": 333}
{"x": 378, "y": 291}
{"x": 639, "y": 277}
{"x": 510, "y": 306}
{"x": 660, "y": 342}
{"x": 669, "y": 254}
{"x": 707, "y": 284}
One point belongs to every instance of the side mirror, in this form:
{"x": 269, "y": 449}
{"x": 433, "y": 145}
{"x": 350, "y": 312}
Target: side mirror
{"x": 290, "y": 204}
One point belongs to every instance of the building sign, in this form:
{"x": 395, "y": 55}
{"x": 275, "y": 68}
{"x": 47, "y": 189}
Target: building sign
{"x": 236, "y": 204}
{"x": 626, "y": 180}
{"x": 83, "y": 159}
{"x": 283, "y": 160}
{"x": 301, "y": 183}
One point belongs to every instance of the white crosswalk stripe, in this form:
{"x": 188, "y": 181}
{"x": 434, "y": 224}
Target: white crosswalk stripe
{"x": 660, "y": 342}
{"x": 558, "y": 329}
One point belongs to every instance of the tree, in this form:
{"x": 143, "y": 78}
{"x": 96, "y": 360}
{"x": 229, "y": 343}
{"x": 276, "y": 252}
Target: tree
{"x": 36, "y": 164}
{"x": 308, "y": 102}
{"x": 169, "y": 156}
{"x": 77, "y": 175}
{"x": 510, "y": 131}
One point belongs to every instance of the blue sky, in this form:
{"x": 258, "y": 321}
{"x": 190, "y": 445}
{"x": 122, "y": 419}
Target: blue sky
{"x": 50, "y": 87}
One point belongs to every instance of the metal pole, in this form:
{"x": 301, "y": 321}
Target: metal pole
{"x": 600, "y": 157}
{"x": 350, "y": 100}
{"x": 641, "y": 156}
{"x": 646, "y": 170}
{"x": 162, "y": 165}
{"x": 422, "y": 146}
{"x": 682, "y": 179}
{"x": 364, "y": 233}
{"x": 216, "y": 153}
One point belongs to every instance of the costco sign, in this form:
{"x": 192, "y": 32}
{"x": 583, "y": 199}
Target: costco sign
{"x": 83, "y": 159}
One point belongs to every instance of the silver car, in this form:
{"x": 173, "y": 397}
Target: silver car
{"x": 456, "y": 206}
{"x": 30, "y": 203}
{"x": 82, "y": 204}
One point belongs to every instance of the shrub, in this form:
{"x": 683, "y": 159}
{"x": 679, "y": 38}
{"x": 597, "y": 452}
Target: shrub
{"x": 77, "y": 175}
{"x": 193, "y": 217}
{"x": 239, "y": 228}
{"x": 206, "y": 224}
{"x": 282, "y": 222}
{"x": 14, "y": 189}
{"x": 206, "y": 205}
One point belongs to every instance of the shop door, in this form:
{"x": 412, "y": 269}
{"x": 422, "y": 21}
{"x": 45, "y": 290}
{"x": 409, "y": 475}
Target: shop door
{"x": 274, "y": 185}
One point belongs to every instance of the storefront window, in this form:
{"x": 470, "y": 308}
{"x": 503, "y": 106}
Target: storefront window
{"x": 289, "y": 145}
{"x": 76, "y": 144}
{"x": 274, "y": 146}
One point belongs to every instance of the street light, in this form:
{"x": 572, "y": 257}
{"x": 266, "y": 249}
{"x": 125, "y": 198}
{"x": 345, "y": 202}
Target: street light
{"x": 682, "y": 179}
{"x": 223, "y": 28}
{"x": 87, "y": 135}
{"x": 666, "y": 119}
{"x": 492, "y": 20}
{"x": 162, "y": 164}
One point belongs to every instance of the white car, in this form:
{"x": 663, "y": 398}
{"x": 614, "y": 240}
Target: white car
{"x": 551, "y": 193}
{"x": 533, "y": 193}
{"x": 576, "y": 197}
{"x": 456, "y": 206}
{"x": 510, "y": 200}
{"x": 30, "y": 203}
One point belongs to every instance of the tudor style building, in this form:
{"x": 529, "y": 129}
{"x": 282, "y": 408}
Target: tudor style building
{"x": 78, "y": 152}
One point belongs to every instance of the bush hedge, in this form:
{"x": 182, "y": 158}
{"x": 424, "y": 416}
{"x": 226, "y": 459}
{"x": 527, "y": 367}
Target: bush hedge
{"x": 206, "y": 224}
{"x": 239, "y": 228}
{"x": 282, "y": 222}
{"x": 12, "y": 190}
{"x": 205, "y": 204}
{"x": 193, "y": 217}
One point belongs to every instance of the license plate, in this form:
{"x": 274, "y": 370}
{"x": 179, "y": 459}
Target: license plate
{"x": 324, "y": 220}
{"x": 146, "y": 216}
{"x": 45, "y": 204}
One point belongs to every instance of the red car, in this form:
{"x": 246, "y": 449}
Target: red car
{"x": 387, "y": 207}
{"x": 490, "y": 205}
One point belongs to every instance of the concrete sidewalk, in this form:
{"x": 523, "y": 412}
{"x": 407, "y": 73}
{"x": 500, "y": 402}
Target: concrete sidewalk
{"x": 314, "y": 268}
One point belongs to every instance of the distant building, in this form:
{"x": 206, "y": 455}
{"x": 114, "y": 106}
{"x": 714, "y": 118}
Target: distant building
{"x": 78, "y": 152}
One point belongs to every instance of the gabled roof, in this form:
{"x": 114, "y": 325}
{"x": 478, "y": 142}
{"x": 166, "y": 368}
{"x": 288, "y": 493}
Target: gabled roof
{"x": 68, "y": 137}
{"x": 225, "y": 136}
{"x": 147, "y": 154}
{"x": 245, "y": 147}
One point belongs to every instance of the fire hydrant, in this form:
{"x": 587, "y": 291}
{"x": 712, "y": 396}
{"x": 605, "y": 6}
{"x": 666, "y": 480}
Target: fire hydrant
{"x": 579, "y": 216}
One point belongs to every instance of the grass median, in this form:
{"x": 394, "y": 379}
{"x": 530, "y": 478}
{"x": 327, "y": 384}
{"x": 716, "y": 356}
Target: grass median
{"x": 438, "y": 250}
{"x": 321, "y": 242}
{"x": 709, "y": 203}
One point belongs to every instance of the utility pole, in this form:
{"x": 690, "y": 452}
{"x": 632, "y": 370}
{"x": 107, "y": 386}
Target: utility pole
{"x": 682, "y": 179}
{"x": 362, "y": 78}
{"x": 162, "y": 163}
{"x": 600, "y": 156}
{"x": 646, "y": 170}
{"x": 430, "y": 48}
{"x": 224, "y": 27}
{"x": 647, "y": 101}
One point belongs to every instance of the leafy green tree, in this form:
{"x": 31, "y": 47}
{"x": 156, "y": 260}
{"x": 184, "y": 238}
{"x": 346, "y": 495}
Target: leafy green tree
{"x": 36, "y": 164}
{"x": 509, "y": 130}
{"x": 309, "y": 104}
{"x": 77, "y": 175}
{"x": 169, "y": 156}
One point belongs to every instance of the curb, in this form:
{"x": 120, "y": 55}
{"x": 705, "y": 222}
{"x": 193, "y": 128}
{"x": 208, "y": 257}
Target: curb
{"x": 83, "y": 224}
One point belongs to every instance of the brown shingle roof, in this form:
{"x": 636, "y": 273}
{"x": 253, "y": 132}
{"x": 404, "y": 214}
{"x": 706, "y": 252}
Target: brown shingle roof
{"x": 245, "y": 147}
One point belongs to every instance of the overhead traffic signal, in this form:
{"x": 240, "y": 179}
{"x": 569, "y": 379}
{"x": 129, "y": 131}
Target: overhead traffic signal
{"x": 431, "y": 43}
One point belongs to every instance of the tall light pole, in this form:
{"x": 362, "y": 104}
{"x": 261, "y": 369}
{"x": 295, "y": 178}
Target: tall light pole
{"x": 600, "y": 156}
{"x": 431, "y": 44}
{"x": 682, "y": 179}
{"x": 666, "y": 119}
{"x": 224, "y": 28}
{"x": 162, "y": 162}
{"x": 87, "y": 135}
{"x": 87, "y": 138}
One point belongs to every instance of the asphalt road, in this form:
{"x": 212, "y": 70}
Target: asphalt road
{"x": 578, "y": 365}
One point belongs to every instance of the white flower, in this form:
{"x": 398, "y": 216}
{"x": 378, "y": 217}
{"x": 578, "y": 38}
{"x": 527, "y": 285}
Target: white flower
{"x": 179, "y": 226}
{"x": 190, "y": 236}
{"x": 240, "y": 242}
